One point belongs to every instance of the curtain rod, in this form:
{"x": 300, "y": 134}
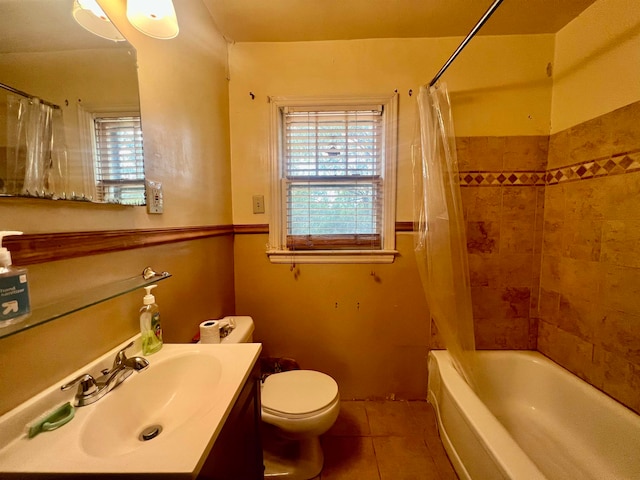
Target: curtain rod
{"x": 26, "y": 95}
{"x": 472, "y": 33}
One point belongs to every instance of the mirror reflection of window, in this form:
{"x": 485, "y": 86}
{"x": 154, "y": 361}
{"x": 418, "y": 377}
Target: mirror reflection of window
{"x": 119, "y": 158}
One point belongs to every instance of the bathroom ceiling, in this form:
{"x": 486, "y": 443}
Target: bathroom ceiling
{"x": 300, "y": 20}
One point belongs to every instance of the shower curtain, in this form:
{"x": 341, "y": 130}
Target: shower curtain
{"x": 36, "y": 150}
{"x": 440, "y": 239}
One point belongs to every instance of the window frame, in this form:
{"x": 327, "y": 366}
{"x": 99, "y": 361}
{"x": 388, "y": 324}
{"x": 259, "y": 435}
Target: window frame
{"x": 277, "y": 250}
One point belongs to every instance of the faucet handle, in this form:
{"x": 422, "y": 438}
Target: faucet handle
{"x": 121, "y": 357}
{"x": 86, "y": 385}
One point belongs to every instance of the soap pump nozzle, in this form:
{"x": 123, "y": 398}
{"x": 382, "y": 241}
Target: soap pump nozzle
{"x": 5, "y": 255}
{"x": 149, "y": 298}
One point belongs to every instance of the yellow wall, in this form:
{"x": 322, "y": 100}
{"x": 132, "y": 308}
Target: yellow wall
{"x": 184, "y": 102}
{"x": 380, "y": 349}
{"x": 487, "y": 98}
{"x": 597, "y": 63}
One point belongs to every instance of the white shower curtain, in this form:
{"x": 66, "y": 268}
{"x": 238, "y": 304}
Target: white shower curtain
{"x": 440, "y": 240}
{"x": 36, "y": 150}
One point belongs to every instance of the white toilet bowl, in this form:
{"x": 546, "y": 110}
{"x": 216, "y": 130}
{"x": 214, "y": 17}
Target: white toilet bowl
{"x": 297, "y": 407}
{"x": 301, "y": 403}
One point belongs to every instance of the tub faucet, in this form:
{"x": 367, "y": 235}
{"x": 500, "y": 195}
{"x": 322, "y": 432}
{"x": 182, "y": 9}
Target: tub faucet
{"x": 90, "y": 389}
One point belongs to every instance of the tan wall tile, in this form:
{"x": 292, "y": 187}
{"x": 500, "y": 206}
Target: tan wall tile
{"x": 550, "y": 273}
{"x": 546, "y": 337}
{"x": 621, "y": 379}
{"x": 581, "y": 238}
{"x": 466, "y": 197}
{"x": 516, "y": 270}
{"x": 463, "y": 152}
{"x": 516, "y": 237}
{"x": 554, "y": 213}
{"x": 579, "y": 317}
{"x": 483, "y": 237}
{"x": 484, "y": 270}
{"x": 487, "y": 303}
{"x": 516, "y": 302}
{"x": 549, "y": 306}
{"x": 572, "y": 352}
{"x": 539, "y": 220}
{"x": 621, "y": 196}
{"x": 526, "y": 153}
{"x": 484, "y": 330}
{"x": 533, "y": 333}
{"x": 591, "y": 261}
{"x": 559, "y": 150}
{"x": 485, "y": 153}
{"x": 519, "y": 204}
{"x": 512, "y": 333}
{"x": 581, "y": 278}
{"x": 621, "y": 242}
{"x": 625, "y": 133}
{"x": 621, "y": 288}
{"x": 585, "y": 199}
{"x": 500, "y": 303}
{"x": 619, "y": 332}
{"x": 590, "y": 140}
{"x": 483, "y": 203}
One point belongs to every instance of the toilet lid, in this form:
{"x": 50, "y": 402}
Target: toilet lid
{"x": 298, "y": 392}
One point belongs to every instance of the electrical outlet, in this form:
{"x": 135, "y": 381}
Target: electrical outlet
{"x": 258, "y": 204}
{"x": 154, "y": 197}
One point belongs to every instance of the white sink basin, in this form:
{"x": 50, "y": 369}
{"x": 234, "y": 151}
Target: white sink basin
{"x": 185, "y": 396}
{"x": 166, "y": 397}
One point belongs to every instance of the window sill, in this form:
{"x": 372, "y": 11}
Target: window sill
{"x": 332, "y": 256}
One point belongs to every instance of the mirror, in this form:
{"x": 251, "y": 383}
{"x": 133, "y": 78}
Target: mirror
{"x": 92, "y": 84}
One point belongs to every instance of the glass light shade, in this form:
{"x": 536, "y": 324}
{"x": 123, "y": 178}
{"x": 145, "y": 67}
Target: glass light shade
{"x": 92, "y": 18}
{"x": 156, "y": 18}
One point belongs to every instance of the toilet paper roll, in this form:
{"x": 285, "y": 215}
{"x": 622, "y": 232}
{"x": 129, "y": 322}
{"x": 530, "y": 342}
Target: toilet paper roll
{"x": 210, "y": 331}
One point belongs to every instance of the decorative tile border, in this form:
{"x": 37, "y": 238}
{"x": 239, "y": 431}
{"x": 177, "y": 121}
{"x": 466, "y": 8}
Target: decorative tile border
{"x": 616, "y": 165}
{"x": 482, "y": 179}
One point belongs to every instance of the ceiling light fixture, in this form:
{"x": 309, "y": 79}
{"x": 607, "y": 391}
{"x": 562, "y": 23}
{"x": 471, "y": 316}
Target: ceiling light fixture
{"x": 155, "y": 18}
{"x": 92, "y": 18}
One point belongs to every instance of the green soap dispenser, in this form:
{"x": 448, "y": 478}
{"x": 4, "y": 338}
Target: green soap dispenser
{"x": 14, "y": 288}
{"x": 150, "y": 323}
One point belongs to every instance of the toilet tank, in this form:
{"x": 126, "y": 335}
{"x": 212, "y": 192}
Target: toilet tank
{"x": 243, "y": 333}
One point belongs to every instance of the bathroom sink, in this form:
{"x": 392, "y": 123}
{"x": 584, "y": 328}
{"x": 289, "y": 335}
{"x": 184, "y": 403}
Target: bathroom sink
{"x": 164, "y": 419}
{"x": 152, "y": 404}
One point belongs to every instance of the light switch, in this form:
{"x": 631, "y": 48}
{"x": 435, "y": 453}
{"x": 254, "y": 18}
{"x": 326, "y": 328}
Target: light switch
{"x": 258, "y": 204}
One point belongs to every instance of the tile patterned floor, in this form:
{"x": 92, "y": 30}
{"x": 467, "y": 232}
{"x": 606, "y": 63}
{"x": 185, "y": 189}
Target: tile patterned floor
{"x": 385, "y": 440}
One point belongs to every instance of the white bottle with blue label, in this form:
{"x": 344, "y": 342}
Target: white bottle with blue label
{"x": 14, "y": 288}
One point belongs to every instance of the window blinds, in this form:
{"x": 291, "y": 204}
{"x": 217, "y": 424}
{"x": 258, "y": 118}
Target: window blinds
{"x": 332, "y": 174}
{"x": 119, "y": 160}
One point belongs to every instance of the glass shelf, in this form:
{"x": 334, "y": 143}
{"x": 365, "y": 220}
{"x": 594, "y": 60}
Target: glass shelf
{"x": 88, "y": 298}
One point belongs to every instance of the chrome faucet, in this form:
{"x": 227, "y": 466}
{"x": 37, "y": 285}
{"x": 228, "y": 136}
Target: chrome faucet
{"x": 91, "y": 389}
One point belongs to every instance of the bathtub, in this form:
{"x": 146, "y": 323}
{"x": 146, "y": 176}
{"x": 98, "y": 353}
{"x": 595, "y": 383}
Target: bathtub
{"x": 535, "y": 420}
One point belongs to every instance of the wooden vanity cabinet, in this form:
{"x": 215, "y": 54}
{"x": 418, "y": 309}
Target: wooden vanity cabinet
{"x": 237, "y": 452}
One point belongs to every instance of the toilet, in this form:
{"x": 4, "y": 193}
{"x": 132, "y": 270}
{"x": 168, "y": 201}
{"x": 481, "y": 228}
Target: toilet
{"x": 297, "y": 407}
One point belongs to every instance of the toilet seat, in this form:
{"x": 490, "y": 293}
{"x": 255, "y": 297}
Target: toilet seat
{"x": 298, "y": 393}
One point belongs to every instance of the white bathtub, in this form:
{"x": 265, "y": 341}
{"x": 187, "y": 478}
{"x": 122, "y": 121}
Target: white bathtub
{"x": 535, "y": 420}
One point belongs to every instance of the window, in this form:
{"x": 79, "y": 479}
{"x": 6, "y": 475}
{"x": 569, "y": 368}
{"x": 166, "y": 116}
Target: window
{"x": 119, "y": 168}
{"x": 334, "y": 180}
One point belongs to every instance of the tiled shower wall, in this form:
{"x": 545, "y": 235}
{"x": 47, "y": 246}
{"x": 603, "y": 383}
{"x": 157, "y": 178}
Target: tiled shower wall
{"x": 553, "y": 236}
{"x": 502, "y": 181}
{"x": 590, "y": 278}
